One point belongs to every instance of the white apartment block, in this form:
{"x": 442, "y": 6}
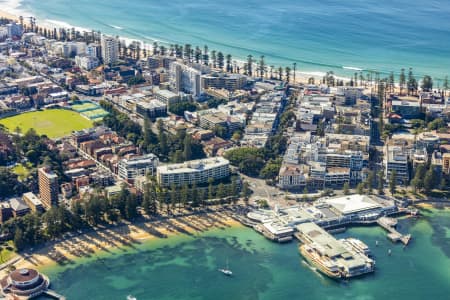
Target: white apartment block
{"x": 185, "y": 79}
{"x": 68, "y": 49}
{"x": 86, "y": 62}
{"x": 93, "y": 50}
{"x": 396, "y": 158}
{"x": 110, "y": 49}
{"x": 194, "y": 171}
{"x": 133, "y": 167}
{"x": 292, "y": 177}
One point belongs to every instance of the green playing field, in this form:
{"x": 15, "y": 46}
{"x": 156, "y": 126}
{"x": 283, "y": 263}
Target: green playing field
{"x": 54, "y": 123}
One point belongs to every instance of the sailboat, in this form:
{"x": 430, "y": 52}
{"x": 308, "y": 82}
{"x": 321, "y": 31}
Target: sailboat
{"x": 129, "y": 297}
{"x": 226, "y": 271}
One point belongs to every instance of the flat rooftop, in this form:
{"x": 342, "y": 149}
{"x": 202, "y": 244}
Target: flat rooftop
{"x": 193, "y": 165}
{"x": 327, "y": 243}
{"x": 353, "y": 203}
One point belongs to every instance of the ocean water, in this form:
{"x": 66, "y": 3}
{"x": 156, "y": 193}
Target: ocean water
{"x": 185, "y": 267}
{"x": 342, "y": 36}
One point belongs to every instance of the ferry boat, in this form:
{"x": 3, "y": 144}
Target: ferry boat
{"x": 338, "y": 259}
{"x": 323, "y": 265}
{"x": 332, "y": 267}
{"x": 357, "y": 246}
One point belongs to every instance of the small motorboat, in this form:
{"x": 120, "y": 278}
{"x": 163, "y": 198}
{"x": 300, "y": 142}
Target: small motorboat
{"x": 226, "y": 271}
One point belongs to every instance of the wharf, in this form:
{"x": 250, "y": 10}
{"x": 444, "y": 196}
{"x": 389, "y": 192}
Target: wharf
{"x": 243, "y": 220}
{"x": 54, "y": 295}
{"x": 389, "y": 225}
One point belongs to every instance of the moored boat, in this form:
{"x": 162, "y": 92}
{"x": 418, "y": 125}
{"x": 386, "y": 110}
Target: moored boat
{"x": 323, "y": 265}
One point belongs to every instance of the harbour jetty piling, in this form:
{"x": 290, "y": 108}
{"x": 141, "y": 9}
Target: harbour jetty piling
{"x": 389, "y": 225}
{"x": 54, "y": 295}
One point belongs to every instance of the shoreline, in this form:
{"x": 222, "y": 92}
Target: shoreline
{"x": 301, "y": 76}
{"x": 434, "y": 205}
{"x": 107, "y": 240}
{"x": 344, "y": 72}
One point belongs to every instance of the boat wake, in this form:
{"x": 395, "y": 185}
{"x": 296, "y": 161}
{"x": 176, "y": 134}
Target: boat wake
{"x": 314, "y": 269}
{"x": 115, "y": 27}
{"x": 352, "y": 68}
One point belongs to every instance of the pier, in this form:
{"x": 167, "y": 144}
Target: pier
{"x": 389, "y": 225}
{"x": 54, "y": 295}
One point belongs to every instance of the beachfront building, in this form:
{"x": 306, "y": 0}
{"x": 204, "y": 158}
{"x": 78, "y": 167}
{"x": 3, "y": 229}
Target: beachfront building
{"x": 406, "y": 108}
{"x": 230, "y": 82}
{"x": 93, "y": 50}
{"x": 48, "y": 187}
{"x": 185, "y": 79}
{"x": 110, "y": 49}
{"x": 12, "y": 30}
{"x": 68, "y": 49}
{"x": 130, "y": 168}
{"x": 86, "y": 62}
{"x": 193, "y": 172}
{"x": 24, "y": 284}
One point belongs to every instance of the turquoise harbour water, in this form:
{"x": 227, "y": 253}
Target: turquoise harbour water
{"x": 380, "y": 35}
{"x": 184, "y": 267}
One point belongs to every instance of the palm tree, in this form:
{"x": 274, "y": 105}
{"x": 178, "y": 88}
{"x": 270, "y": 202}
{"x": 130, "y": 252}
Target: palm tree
{"x": 179, "y": 52}
{"x": 205, "y": 55}
{"x": 445, "y": 85}
{"x": 271, "y": 72}
{"x": 214, "y": 58}
{"x": 220, "y": 61}
{"x": 245, "y": 67}
{"x": 162, "y": 50}
{"x": 262, "y": 66}
{"x": 402, "y": 80}
{"x": 198, "y": 54}
{"x": 229, "y": 67}
{"x": 249, "y": 65}
{"x": 187, "y": 52}
{"x": 155, "y": 48}
{"x": 280, "y": 73}
{"x": 295, "y": 68}
{"x": 288, "y": 74}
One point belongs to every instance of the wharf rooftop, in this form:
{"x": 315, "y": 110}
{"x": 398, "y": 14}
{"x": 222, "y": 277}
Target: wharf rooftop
{"x": 338, "y": 254}
{"x": 326, "y": 212}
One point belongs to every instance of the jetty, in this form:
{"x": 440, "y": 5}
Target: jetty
{"x": 52, "y": 294}
{"x": 389, "y": 225}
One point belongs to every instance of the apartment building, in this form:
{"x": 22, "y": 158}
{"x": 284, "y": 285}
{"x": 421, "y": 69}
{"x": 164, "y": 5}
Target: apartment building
{"x": 396, "y": 158}
{"x": 48, "y": 187}
{"x": 110, "y": 49}
{"x": 230, "y": 82}
{"x": 193, "y": 172}
{"x": 130, "y": 168}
